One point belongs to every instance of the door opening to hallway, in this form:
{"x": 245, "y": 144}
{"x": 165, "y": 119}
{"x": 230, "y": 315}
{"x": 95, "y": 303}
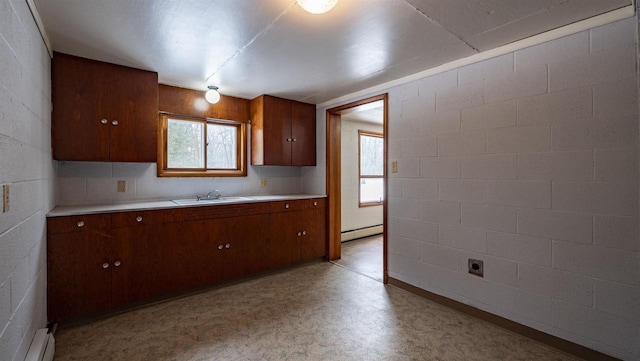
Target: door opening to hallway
{"x": 356, "y": 178}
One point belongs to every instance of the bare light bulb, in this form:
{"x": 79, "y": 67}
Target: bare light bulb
{"x": 317, "y": 6}
{"x": 212, "y": 94}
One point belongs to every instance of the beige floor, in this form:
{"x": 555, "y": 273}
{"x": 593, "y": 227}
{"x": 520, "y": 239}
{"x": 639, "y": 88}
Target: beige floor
{"x": 315, "y": 312}
{"x": 364, "y": 256}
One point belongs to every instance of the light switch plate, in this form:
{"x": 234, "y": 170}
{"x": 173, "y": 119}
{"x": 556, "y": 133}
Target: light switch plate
{"x": 5, "y": 198}
{"x": 394, "y": 166}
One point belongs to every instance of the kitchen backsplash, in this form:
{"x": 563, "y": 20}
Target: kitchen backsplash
{"x": 82, "y": 183}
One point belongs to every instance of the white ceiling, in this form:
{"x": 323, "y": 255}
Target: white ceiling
{"x": 253, "y": 47}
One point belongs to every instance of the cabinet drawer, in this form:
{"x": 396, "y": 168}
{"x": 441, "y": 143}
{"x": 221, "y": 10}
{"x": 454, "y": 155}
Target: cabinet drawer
{"x": 83, "y": 223}
{"x": 297, "y": 204}
{"x": 134, "y": 219}
{"x": 286, "y": 206}
{"x": 316, "y": 203}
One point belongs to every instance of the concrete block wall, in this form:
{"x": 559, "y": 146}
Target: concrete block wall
{"x": 529, "y": 162}
{"x": 96, "y": 183}
{"x": 354, "y": 217}
{"x": 26, "y": 165}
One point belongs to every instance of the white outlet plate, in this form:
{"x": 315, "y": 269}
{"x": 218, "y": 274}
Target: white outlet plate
{"x": 394, "y": 166}
{"x": 264, "y": 182}
{"x": 122, "y": 186}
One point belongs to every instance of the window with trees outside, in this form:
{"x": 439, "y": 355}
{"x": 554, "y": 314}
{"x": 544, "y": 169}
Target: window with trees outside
{"x": 198, "y": 147}
{"x": 371, "y": 168}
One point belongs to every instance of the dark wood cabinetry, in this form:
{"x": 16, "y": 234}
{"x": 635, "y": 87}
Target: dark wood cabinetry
{"x": 102, "y": 111}
{"x": 283, "y": 132}
{"x": 99, "y": 262}
{"x": 78, "y": 268}
{"x": 298, "y": 232}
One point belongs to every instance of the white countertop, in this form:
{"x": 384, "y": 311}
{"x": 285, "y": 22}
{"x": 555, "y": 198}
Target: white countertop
{"x": 151, "y": 205}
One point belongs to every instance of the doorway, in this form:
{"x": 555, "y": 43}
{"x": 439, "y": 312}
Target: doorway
{"x": 365, "y": 109}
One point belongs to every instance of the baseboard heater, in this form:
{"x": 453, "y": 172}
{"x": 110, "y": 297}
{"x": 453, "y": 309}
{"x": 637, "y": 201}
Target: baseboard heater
{"x": 43, "y": 346}
{"x": 361, "y": 232}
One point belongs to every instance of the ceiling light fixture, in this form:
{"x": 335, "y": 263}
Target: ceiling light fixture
{"x": 317, "y": 6}
{"x": 212, "y": 94}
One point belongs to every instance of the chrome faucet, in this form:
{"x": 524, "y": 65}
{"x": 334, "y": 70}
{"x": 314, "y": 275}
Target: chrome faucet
{"x": 211, "y": 195}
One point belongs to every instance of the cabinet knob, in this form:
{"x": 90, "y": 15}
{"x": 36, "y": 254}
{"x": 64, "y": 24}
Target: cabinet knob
{"x": 294, "y": 139}
{"x": 117, "y": 263}
{"x": 105, "y": 265}
{"x": 139, "y": 219}
{"x": 286, "y": 206}
{"x": 315, "y": 203}
{"x": 299, "y": 234}
{"x": 80, "y": 224}
{"x": 304, "y": 233}
{"x": 288, "y": 139}
{"x": 220, "y": 246}
{"x": 104, "y": 121}
{"x": 115, "y": 122}
{"x": 228, "y": 245}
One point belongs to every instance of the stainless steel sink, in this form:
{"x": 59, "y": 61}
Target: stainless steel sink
{"x": 195, "y": 201}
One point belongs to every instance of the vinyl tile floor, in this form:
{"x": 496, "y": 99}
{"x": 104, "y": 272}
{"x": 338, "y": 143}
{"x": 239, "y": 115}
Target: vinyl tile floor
{"x": 318, "y": 311}
{"x": 364, "y": 256}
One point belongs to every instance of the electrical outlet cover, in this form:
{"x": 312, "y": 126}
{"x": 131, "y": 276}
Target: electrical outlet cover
{"x": 476, "y": 267}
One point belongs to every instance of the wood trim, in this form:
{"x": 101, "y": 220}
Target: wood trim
{"x": 333, "y": 174}
{"x": 529, "y": 332}
{"x": 385, "y": 204}
{"x": 334, "y": 164}
{"x": 241, "y": 146}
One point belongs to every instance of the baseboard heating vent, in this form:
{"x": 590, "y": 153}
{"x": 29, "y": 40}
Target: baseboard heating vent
{"x": 42, "y": 346}
{"x": 360, "y": 233}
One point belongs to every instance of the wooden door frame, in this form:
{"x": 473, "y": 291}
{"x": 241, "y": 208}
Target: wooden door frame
{"x": 334, "y": 176}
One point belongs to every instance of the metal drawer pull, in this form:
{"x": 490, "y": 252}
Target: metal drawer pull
{"x": 80, "y": 224}
{"x": 227, "y": 245}
{"x": 104, "y": 121}
{"x": 115, "y": 122}
{"x": 139, "y": 219}
{"x": 117, "y": 263}
{"x": 220, "y": 246}
{"x": 105, "y": 265}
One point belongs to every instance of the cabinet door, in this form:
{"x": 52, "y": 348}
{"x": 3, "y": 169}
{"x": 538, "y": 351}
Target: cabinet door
{"x": 190, "y": 255}
{"x": 133, "y": 100}
{"x": 79, "y": 274}
{"x": 136, "y": 260}
{"x": 284, "y": 245}
{"x": 80, "y": 124}
{"x": 313, "y": 243}
{"x": 277, "y": 131}
{"x": 303, "y": 133}
{"x": 245, "y": 242}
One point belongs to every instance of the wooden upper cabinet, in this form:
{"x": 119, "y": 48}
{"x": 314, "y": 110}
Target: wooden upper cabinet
{"x": 283, "y": 132}
{"x": 102, "y": 111}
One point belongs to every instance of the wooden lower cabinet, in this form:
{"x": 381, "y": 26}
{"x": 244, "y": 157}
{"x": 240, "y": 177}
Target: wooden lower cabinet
{"x": 79, "y": 278}
{"x": 298, "y": 232}
{"x": 105, "y": 261}
{"x": 135, "y": 255}
{"x": 78, "y": 268}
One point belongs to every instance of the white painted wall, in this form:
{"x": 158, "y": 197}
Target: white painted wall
{"x": 25, "y": 164}
{"x": 354, "y": 217}
{"x": 528, "y": 161}
{"x": 96, "y": 182}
